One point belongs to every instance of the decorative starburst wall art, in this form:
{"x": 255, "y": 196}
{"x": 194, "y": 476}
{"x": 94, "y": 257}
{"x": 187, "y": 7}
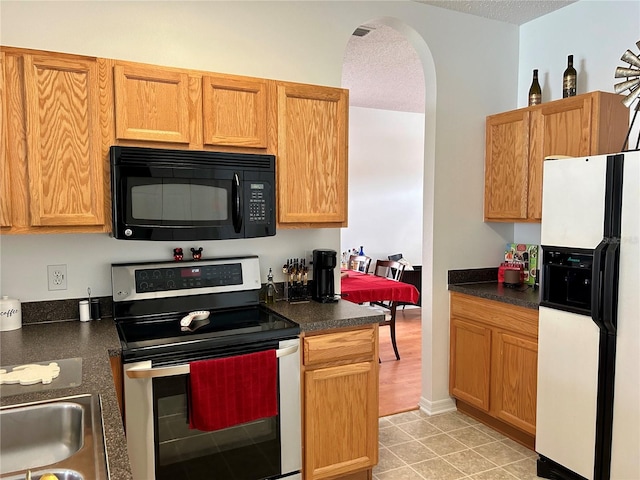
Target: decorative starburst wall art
{"x": 630, "y": 87}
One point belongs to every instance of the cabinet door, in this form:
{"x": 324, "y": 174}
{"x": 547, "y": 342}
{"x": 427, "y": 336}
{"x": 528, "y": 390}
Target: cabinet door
{"x": 506, "y": 166}
{"x": 470, "y": 363}
{"x": 65, "y": 165}
{"x": 152, "y": 104}
{"x": 5, "y": 173}
{"x": 312, "y": 155}
{"x": 235, "y": 111}
{"x": 515, "y": 380}
{"x": 341, "y": 419}
{"x": 557, "y": 128}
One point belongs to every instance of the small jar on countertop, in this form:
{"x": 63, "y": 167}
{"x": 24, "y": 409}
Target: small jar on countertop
{"x": 10, "y": 314}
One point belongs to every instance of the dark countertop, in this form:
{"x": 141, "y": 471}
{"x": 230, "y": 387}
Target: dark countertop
{"x": 95, "y": 341}
{"x": 525, "y": 296}
{"x": 314, "y": 316}
{"x": 92, "y": 341}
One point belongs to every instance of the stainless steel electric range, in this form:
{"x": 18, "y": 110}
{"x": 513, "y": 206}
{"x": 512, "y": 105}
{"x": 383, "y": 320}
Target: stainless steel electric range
{"x": 169, "y": 314}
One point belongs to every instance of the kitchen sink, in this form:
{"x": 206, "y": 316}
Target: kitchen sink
{"x": 63, "y": 434}
{"x": 40, "y": 434}
{"x": 61, "y": 474}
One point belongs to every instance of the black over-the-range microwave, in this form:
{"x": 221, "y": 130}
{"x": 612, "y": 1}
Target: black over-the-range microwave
{"x": 159, "y": 194}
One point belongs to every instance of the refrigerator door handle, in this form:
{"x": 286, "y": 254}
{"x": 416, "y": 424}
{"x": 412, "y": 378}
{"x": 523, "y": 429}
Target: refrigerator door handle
{"x": 610, "y": 287}
{"x": 597, "y": 274}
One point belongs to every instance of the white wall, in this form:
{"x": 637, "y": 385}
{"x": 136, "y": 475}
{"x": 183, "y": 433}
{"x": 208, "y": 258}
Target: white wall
{"x": 386, "y": 165}
{"x": 89, "y": 257}
{"x": 470, "y": 71}
{"x": 596, "y": 33}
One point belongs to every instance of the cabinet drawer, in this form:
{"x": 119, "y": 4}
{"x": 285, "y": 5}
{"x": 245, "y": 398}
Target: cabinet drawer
{"x": 498, "y": 314}
{"x": 332, "y": 347}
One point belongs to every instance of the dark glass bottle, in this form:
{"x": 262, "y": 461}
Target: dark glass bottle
{"x": 271, "y": 288}
{"x": 535, "y": 92}
{"x": 569, "y": 78}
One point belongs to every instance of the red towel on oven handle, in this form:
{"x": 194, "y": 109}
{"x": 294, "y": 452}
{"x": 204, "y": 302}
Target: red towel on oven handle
{"x": 233, "y": 390}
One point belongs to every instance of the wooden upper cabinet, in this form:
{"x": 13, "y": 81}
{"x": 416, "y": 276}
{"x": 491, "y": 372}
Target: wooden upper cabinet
{"x": 5, "y": 172}
{"x": 517, "y": 142}
{"x": 152, "y": 103}
{"x": 506, "y": 168}
{"x": 312, "y": 155}
{"x": 65, "y": 165}
{"x": 234, "y": 111}
{"x": 557, "y": 128}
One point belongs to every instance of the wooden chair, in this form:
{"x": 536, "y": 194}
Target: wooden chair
{"x": 393, "y": 271}
{"x": 359, "y": 263}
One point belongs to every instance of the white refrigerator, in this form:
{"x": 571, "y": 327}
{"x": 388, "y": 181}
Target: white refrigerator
{"x": 588, "y": 399}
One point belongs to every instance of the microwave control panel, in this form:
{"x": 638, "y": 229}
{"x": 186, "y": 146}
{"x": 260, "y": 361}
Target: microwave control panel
{"x": 258, "y": 202}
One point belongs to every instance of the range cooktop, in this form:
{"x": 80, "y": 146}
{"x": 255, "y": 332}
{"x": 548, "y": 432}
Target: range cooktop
{"x": 221, "y": 330}
{"x": 149, "y": 305}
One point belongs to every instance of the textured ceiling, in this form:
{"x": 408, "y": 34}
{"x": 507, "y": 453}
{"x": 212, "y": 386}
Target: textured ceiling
{"x": 382, "y": 70}
{"x": 509, "y": 11}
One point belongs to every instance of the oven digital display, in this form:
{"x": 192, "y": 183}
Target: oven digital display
{"x": 190, "y": 272}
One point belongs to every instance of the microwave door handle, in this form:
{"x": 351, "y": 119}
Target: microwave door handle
{"x": 237, "y": 203}
{"x": 172, "y": 371}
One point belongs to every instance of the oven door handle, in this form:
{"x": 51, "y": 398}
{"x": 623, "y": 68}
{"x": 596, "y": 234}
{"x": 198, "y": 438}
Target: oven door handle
{"x": 174, "y": 370}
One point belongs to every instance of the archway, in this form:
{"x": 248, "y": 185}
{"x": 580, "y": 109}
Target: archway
{"x": 428, "y": 372}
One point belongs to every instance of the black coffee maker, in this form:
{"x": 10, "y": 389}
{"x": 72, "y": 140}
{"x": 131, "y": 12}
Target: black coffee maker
{"x": 324, "y": 262}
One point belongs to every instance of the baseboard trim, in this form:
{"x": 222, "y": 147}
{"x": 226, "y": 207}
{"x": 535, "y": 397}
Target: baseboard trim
{"x": 439, "y": 406}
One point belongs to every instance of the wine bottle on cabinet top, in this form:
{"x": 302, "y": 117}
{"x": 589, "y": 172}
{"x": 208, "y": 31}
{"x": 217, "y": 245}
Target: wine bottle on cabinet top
{"x": 535, "y": 92}
{"x": 569, "y": 79}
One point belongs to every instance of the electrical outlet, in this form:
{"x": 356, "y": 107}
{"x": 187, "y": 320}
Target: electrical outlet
{"x": 57, "y": 277}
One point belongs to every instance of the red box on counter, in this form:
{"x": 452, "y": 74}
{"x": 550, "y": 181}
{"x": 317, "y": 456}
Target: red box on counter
{"x": 510, "y": 266}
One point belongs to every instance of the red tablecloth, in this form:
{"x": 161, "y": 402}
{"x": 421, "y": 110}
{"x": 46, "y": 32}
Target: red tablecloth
{"x": 360, "y": 287}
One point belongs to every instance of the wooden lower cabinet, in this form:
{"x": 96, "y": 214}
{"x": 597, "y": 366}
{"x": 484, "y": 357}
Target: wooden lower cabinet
{"x": 340, "y": 404}
{"x": 493, "y": 363}
{"x": 471, "y": 349}
{"x": 514, "y": 380}
{"x": 364, "y": 475}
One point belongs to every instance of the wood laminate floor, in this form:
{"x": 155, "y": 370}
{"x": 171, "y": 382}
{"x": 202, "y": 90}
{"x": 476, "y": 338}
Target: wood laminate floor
{"x": 400, "y": 383}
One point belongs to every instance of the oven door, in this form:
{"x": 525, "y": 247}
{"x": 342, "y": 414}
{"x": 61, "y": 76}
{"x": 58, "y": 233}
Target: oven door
{"x": 161, "y": 445}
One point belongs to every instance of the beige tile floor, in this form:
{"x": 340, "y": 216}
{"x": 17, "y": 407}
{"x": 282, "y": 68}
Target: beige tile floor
{"x": 450, "y": 446}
